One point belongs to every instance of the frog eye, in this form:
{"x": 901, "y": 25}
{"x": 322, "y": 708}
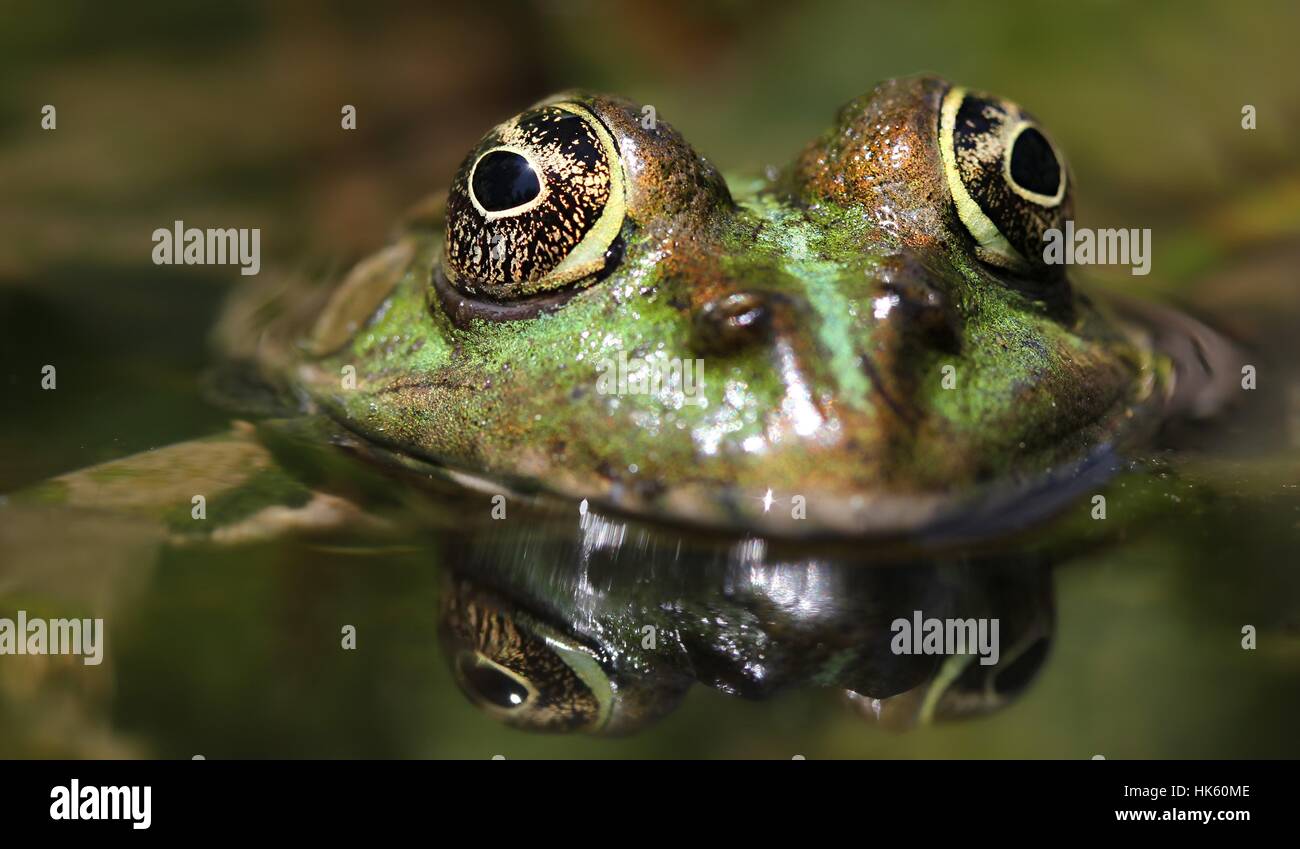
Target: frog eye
{"x": 537, "y": 206}
{"x": 1008, "y": 181}
{"x": 521, "y": 671}
{"x": 535, "y": 691}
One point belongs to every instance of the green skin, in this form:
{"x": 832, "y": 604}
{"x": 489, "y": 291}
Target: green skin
{"x": 863, "y": 287}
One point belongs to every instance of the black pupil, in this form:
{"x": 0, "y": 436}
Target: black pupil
{"x": 504, "y": 180}
{"x": 1033, "y": 164}
{"x": 493, "y": 685}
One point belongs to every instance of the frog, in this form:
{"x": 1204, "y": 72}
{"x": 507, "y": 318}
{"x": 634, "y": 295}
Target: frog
{"x": 866, "y": 342}
{"x": 865, "y": 349}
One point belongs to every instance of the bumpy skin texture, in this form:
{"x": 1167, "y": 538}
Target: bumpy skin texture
{"x": 826, "y": 304}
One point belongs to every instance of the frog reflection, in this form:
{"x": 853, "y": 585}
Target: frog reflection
{"x": 606, "y": 631}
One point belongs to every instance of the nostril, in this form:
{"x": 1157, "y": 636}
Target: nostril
{"x": 916, "y": 303}
{"x": 732, "y": 322}
{"x": 926, "y": 313}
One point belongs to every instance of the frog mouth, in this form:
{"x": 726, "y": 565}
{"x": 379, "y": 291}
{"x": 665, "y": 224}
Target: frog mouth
{"x": 928, "y": 520}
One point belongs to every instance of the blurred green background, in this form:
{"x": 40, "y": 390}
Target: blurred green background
{"x": 227, "y": 114}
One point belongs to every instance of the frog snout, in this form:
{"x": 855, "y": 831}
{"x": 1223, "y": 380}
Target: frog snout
{"x": 837, "y": 340}
{"x": 913, "y": 305}
{"x": 903, "y": 302}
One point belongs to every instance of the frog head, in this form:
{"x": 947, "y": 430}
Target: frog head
{"x": 866, "y": 341}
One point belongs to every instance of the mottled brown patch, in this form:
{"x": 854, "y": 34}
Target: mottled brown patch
{"x": 881, "y": 153}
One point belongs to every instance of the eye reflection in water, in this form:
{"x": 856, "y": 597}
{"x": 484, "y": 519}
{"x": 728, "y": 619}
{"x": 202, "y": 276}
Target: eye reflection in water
{"x": 605, "y": 630}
